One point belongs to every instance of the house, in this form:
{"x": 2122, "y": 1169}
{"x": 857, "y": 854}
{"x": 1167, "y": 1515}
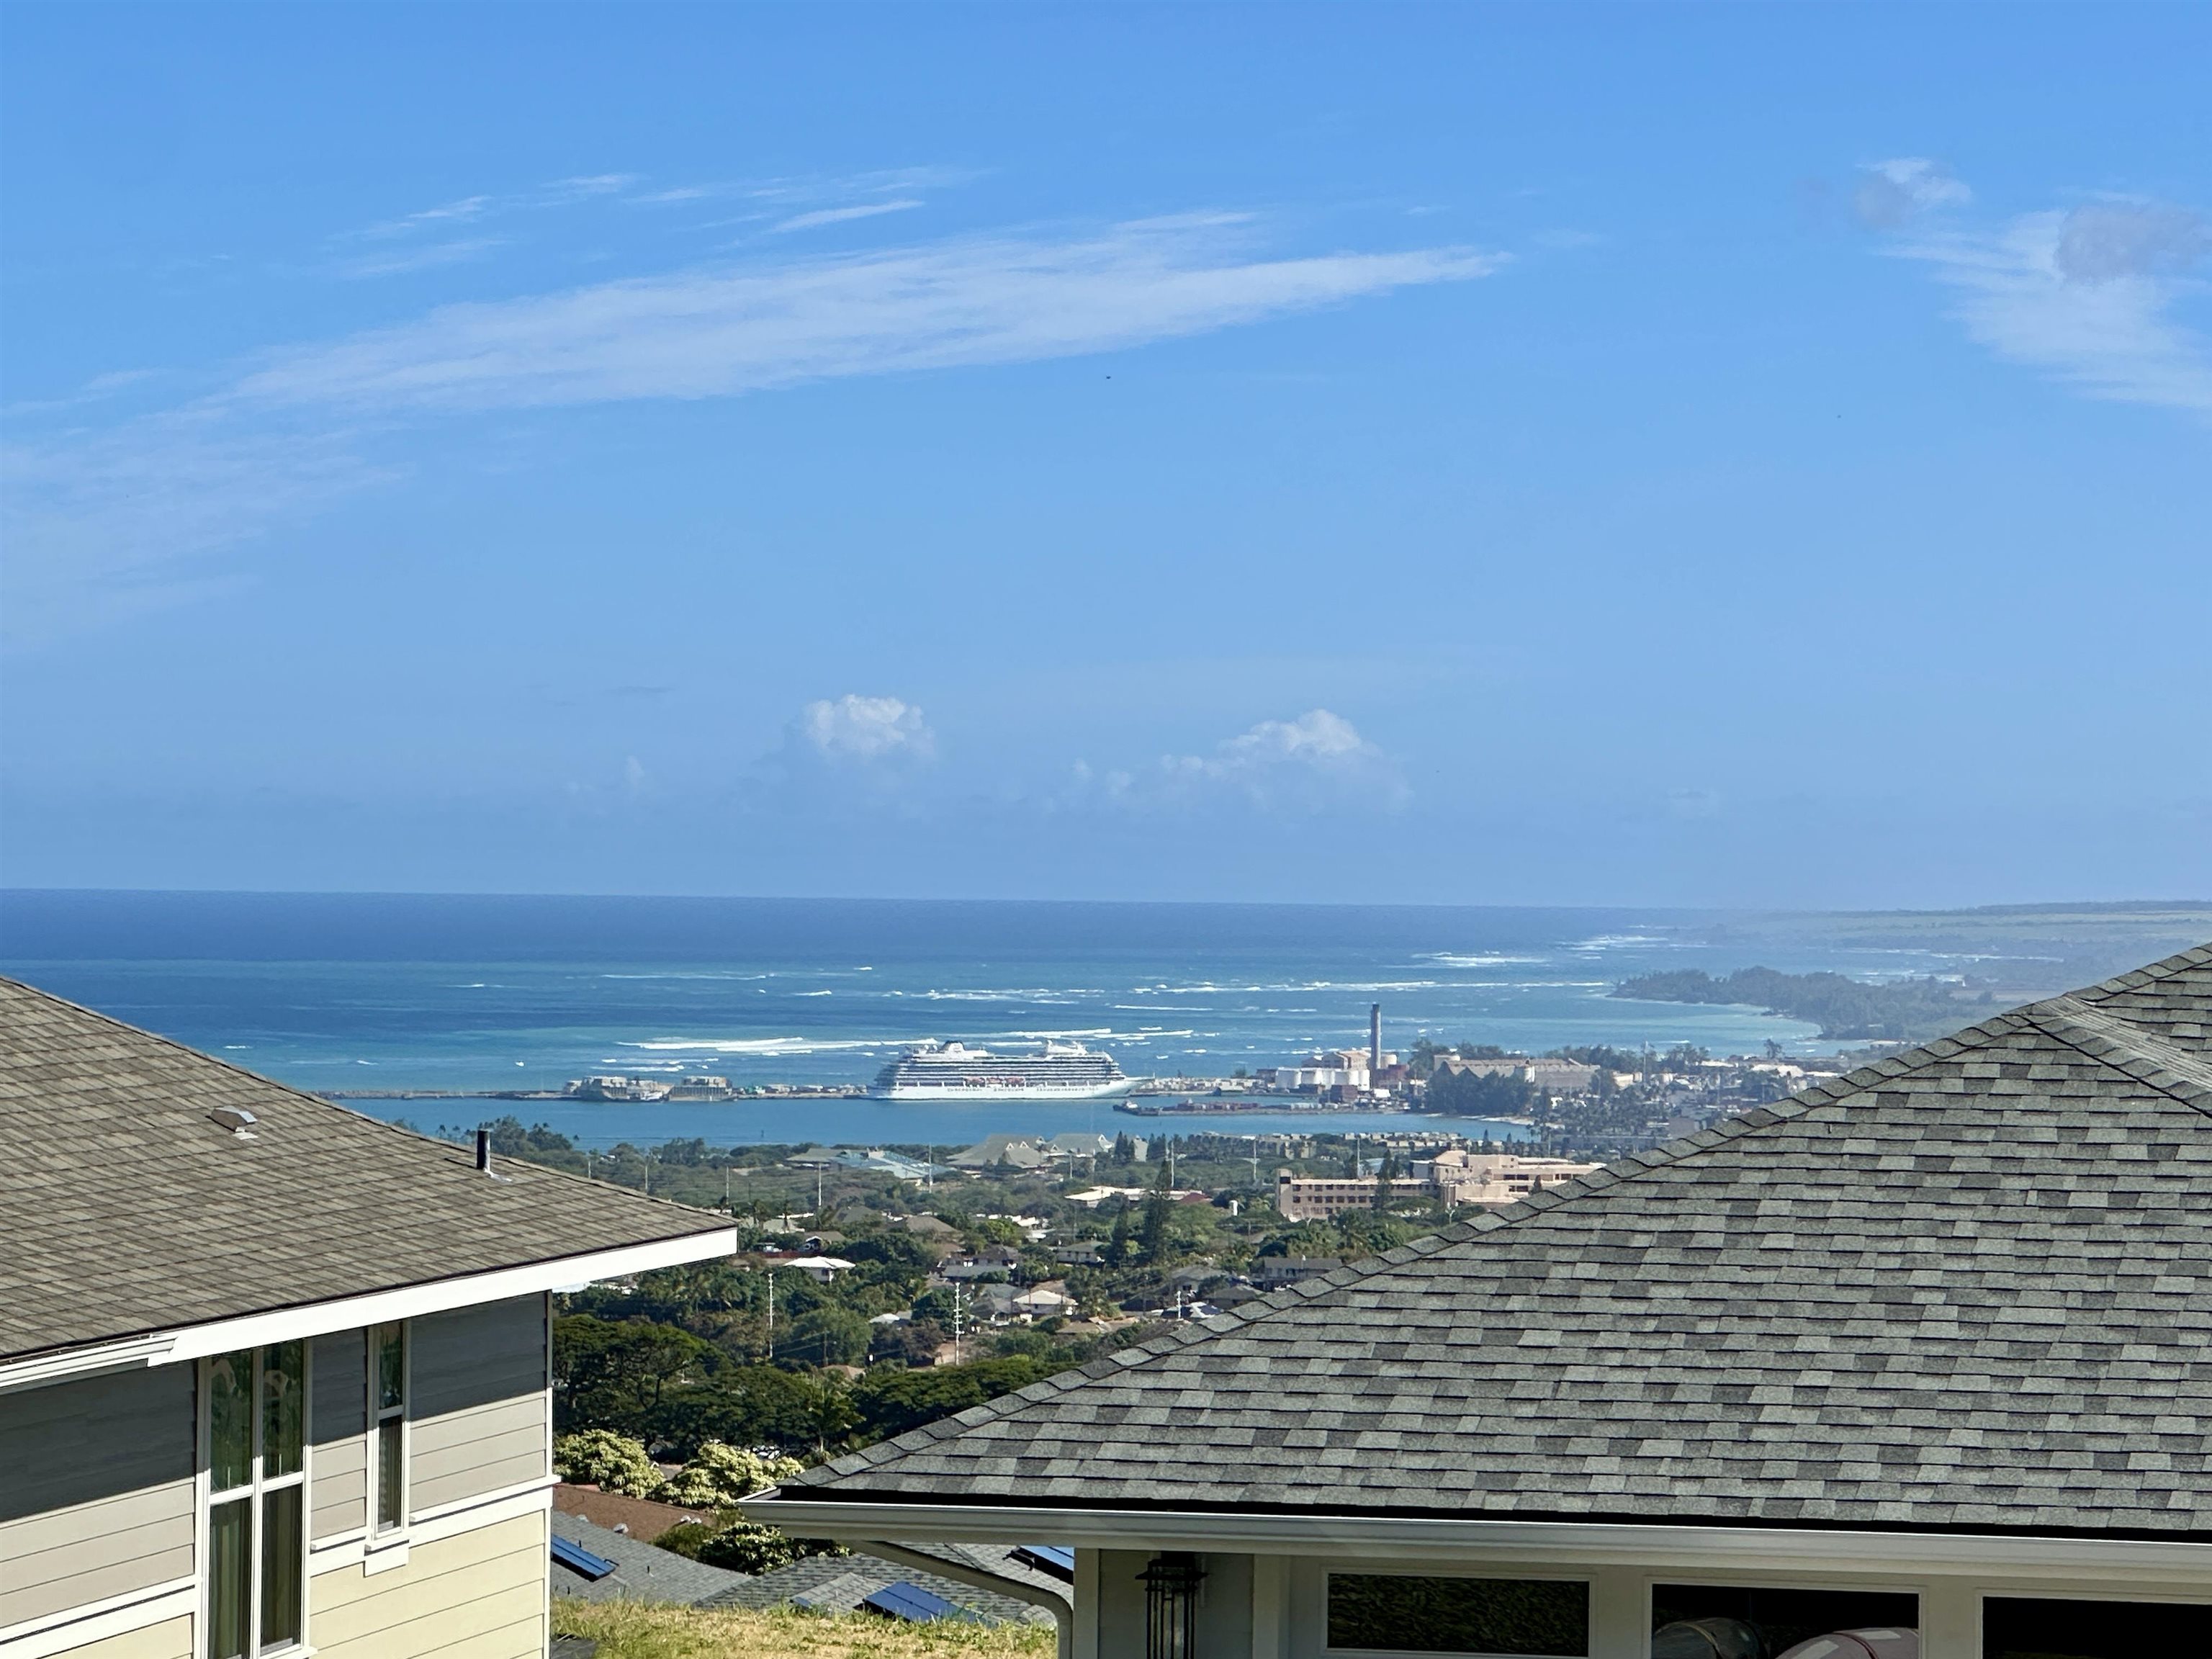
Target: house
{"x": 1274, "y": 1272}
{"x": 1013, "y": 1152}
{"x": 603, "y": 1564}
{"x": 819, "y": 1268}
{"x": 274, "y": 1377}
{"x": 1920, "y": 1354}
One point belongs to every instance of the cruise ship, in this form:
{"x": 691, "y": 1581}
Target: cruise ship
{"x": 953, "y": 1071}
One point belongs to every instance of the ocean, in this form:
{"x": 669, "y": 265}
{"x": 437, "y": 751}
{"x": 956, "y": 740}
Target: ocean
{"x": 467, "y": 995}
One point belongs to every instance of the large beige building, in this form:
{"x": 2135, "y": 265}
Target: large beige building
{"x": 274, "y": 1377}
{"x": 1453, "y": 1178}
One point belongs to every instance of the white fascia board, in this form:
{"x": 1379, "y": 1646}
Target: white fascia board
{"x": 371, "y": 1308}
{"x": 1569, "y": 1543}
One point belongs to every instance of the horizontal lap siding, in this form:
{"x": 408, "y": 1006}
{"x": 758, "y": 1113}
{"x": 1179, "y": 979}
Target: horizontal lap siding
{"x": 96, "y": 1490}
{"x": 170, "y": 1640}
{"x": 479, "y": 1596}
{"x": 481, "y": 1419}
{"x": 338, "y": 1459}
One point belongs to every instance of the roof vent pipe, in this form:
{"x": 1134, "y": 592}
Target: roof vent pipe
{"x": 483, "y": 1151}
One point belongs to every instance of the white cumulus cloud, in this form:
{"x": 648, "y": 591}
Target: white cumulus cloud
{"x": 858, "y": 729}
{"x": 1317, "y": 760}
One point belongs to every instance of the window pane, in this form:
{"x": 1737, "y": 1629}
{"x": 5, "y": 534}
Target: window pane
{"x": 230, "y": 1568}
{"x": 2030, "y": 1627}
{"x": 280, "y": 1567}
{"x": 282, "y": 1413}
{"x": 230, "y": 1421}
{"x": 1459, "y": 1615}
{"x": 1713, "y": 1621}
{"x": 390, "y": 1366}
{"x": 391, "y": 1481}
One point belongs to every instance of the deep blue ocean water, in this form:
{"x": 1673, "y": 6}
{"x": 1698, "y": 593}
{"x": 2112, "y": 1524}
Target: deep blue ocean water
{"x": 369, "y": 991}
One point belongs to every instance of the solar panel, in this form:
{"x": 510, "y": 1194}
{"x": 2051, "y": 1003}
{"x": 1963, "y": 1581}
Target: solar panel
{"x": 1055, "y": 1558}
{"x": 578, "y": 1560}
{"x": 909, "y": 1602}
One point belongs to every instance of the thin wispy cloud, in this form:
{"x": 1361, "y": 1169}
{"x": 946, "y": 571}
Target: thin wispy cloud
{"x": 282, "y": 439}
{"x": 2091, "y": 296}
{"x": 399, "y": 262}
{"x": 709, "y": 333}
{"x": 841, "y": 215}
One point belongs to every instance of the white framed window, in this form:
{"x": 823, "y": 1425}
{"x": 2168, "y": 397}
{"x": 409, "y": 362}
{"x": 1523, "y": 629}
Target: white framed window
{"x": 387, "y": 1426}
{"x": 253, "y": 1438}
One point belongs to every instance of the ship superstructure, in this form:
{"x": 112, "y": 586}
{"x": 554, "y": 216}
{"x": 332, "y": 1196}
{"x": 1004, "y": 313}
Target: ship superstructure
{"x": 953, "y": 1071}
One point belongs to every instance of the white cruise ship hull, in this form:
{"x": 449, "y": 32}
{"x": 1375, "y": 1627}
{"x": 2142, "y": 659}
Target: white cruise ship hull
{"x": 997, "y": 1090}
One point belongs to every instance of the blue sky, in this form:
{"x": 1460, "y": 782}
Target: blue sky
{"x": 1747, "y": 455}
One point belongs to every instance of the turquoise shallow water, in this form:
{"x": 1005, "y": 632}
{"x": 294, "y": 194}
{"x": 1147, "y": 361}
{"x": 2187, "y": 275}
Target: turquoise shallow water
{"x": 477, "y": 995}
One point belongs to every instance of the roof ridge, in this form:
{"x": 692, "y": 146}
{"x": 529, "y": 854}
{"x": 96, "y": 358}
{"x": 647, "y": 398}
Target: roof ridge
{"x": 308, "y": 1096}
{"x": 1292, "y": 1296}
{"x": 2196, "y": 956}
{"x": 2128, "y": 1049}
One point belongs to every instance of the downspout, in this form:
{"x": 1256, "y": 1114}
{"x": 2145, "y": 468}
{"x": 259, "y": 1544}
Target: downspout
{"x": 1062, "y": 1607}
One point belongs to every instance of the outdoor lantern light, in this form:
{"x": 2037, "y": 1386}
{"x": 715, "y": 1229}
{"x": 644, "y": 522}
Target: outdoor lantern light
{"x": 1171, "y": 1606}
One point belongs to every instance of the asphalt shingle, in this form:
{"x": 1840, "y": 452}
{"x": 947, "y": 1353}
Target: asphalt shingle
{"x": 127, "y": 1211}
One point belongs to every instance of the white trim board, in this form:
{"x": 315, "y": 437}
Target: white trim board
{"x": 1568, "y": 1543}
{"x": 371, "y": 1308}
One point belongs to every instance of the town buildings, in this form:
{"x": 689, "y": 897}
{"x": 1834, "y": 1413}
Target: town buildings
{"x": 1920, "y": 1350}
{"x": 1453, "y": 1178}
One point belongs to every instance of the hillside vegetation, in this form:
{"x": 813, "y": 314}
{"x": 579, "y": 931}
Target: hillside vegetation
{"x": 1846, "y": 1009}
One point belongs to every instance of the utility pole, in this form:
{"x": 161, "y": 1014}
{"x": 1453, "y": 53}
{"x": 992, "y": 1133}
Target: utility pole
{"x": 959, "y": 1314}
{"x": 771, "y": 1315}
{"x": 726, "y": 1187}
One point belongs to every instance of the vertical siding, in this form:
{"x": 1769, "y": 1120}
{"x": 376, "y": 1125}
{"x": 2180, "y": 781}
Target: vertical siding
{"x": 481, "y": 1421}
{"x": 96, "y": 1490}
{"x": 480, "y": 1596}
{"x": 338, "y": 1427}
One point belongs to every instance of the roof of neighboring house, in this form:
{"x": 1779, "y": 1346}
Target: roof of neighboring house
{"x": 1967, "y": 1287}
{"x": 644, "y": 1519}
{"x": 839, "y": 1583}
{"x": 643, "y": 1571}
{"x": 129, "y": 1212}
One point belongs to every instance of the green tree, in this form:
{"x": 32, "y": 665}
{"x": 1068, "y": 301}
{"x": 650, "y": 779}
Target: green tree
{"x": 1153, "y": 1241}
{"x": 619, "y": 1375}
{"x": 1117, "y": 1244}
{"x": 890, "y": 1402}
{"x": 718, "y": 1475}
{"x": 825, "y": 1336}
{"x": 610, "y": 1462}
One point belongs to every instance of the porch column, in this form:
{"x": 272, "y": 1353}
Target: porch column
{"x": 1950, "y": 1619}
{"x": 1271, "y": 1609}
{"x": 1618, "y": 1614}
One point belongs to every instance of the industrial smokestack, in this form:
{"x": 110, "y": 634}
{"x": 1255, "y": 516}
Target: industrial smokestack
{"x": 1375, "y": 1037}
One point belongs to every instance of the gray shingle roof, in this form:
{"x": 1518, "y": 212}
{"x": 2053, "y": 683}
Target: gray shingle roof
{"x": 125, "y": 1211}
{"x": 839, "y": 1583}
{"x": 1967, "y": 1287}
{"x": 643, "y": 1572}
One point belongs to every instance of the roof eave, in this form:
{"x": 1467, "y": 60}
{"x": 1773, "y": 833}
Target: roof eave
{"x": 1687, "y": 1546}
{"x": 137, "y": 1350}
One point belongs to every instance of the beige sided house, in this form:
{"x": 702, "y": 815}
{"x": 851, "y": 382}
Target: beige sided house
{"x": 274, "y": 1377}
{"x": 1916, "y": 1364}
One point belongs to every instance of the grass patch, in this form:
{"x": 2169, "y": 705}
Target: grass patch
{"x": 634, "y": 1630}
